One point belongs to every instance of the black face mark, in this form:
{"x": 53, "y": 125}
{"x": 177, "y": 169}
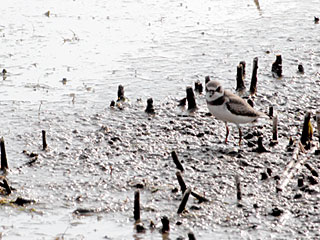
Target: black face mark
{"x": 210, "y": 91}
{"x": 218, "y": 89}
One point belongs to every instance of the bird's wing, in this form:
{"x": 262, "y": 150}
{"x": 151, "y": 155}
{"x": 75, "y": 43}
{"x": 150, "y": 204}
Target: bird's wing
{"x": 238, "y": 106}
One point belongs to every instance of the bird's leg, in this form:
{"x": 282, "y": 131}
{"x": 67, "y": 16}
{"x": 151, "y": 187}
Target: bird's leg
{"x": 227, "y": 133}
{"x": 240, "y": 135}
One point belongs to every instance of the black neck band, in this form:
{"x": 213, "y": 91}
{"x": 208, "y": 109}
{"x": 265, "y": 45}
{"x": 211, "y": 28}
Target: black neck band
{"x": 218, "y": 101}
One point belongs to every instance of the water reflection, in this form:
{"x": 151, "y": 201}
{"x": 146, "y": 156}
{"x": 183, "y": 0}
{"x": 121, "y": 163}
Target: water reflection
{"x": 257, "y": 4}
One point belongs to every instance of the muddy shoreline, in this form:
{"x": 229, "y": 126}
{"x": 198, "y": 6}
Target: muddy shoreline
{"x": 62, "y": 73}
{"x": 134, "y": 152}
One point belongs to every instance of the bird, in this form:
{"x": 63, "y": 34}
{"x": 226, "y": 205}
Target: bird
{"x": 229, "y": 107}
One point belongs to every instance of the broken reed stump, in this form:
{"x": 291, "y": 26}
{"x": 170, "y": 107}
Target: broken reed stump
{"x": 292, "y": 167}
{"x": 150, "y": 109}
{"x": 4, "y": 74}
{"x": 64, "y": 81}
{"x": 312, "y": 180}
{"x": 182, "y": 184}
{"x": 176, "y": 161}
{"x": 240, "y": 81}
{"x": 264, "y": 176}
{"x": 243, "y": 63}
{"x": 191, "y": 99}
{"x": 300, "y": 182}
{"x": 237, "y": 179}
{"x": 261, "y": 148}
{"x": 275, "y": 128}
{"x": 165, "y": 224}
{"x": 276, "y": 68}
{"x": 307, "y": 131}
{"x": 6, "y": 186}
{"x": 312, "y": 170}
{"x": 200, "y": 198}
{"x": 182, "y": 102}
{"x": 254, "y": 79}
{"x": 120, "y": 93}
{"x": 318, "y": 123}
{"x": 44, "y": 140}
{"x": 140, "y": 228}
{"x": 300, "y": 68}
{"x": 84, "y": 211}
{"x": 112, "y": 104}
{"x": 270, "y": 111}
{"x": 22, "y": 201}
{"x": 136, "y": 211}
{"x": 47, "y": 13}
{"x": 184, "y": 201}
{"x": 206, "y": 79}
{"x": 198, "y": 87}
{"x": 4, "y": 161}
{"x": 191, "y": 236}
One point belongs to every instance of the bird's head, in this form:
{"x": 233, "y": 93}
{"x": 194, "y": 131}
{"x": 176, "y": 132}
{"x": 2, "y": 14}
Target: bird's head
{"x": 214, "y": 90}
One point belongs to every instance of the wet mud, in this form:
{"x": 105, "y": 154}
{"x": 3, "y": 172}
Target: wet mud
{"x": 79, "y": 178}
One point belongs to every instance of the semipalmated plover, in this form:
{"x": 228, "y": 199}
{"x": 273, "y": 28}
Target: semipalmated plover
{"x": 228, "y": 107}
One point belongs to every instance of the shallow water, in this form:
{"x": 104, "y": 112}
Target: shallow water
{"x": 155, "y": 49}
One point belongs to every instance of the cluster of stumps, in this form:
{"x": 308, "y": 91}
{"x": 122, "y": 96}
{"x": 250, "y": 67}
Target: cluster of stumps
{"x": 186, "y": 191}
{"x": 304, "y": 144}
{"x": 190, "y": 98}
{"x": 5, "y": 188}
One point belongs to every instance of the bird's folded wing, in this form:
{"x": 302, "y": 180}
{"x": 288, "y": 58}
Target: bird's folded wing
{"x": 240, "y": 107}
